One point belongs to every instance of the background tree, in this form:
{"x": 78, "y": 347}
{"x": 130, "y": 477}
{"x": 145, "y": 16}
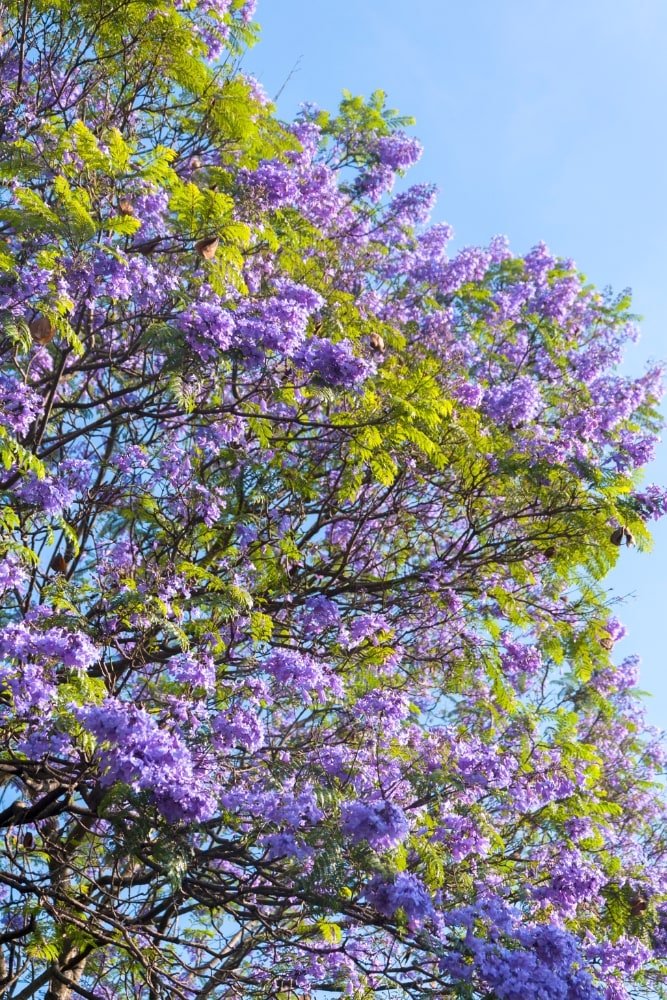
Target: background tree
{"x": 307, "y": 680}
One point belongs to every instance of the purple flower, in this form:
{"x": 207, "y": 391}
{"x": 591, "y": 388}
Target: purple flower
{"x": 406, "y": 893}
{"x": 398, "y": 151}
{"x": 303, "y": 674}
{"x": 335, "y": 364}
{"x": 72, "y": 649}
{"x": 319, "y": 614}
{"x": 412, "y": 207}
{"x": 199, "y": 671}
{"x": 19, "y": 405}
{"x": 238, "y": 727}
{"x": 285, "y": 844}
{"x": 49, "y": 494}
{"x": 136, "y": 749}
{"x": 12, "y": 573}
{"x": 652, "y": 502}
{"x": 519, "y": 659}
{"x": 274, "y": 182}
{"x": 208, "y": 325}
{"x": 382, "y": 824}
{"x": 514, "y": 404}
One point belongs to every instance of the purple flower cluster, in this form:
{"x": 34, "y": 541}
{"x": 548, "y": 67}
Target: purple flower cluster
{"x": 278, "y": 322}
{"x": 514, "y": 404}
{"x": 462, "y": 836}
{"x": 51, "y": 645}
{"x": 302, "y": 673}
{"x": 48, "y": 494}
{"x": 19, "y": 405}
{"x": 12, "y": 573}
{"x": 382, "y": 824}
{"x": 398, "y": 150}
{"x": 516, "y": 961}
{"x": 652, "y": 502}
{"x": 574, "y": 881}
{"x": 133, "y": 747}
{"x": 335, "y": 364}
{"x": 319, "y": 614}
{"x": 238, "y": 727}
{"x": 405, "y": 893}
{"x": 518, "y": 658}
{"x": 199, "y": 671}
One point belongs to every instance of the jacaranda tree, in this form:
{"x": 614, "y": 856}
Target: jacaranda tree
{"x": 307, "y": 672}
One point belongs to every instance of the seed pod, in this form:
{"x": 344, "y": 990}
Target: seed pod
{"x": 638, "y": 905}
{"x": 28, "y": 840}
{"x": 607, "y": 643}
{"x": 148, "y": 246}
{"x": 376, "y": 342}
{"x": 41, "y": 330}
{"x": 59, "y": 563}
{"x": 629, "y": 537}
{"x": 195, "y": 163}
{"x": 549, "y": 552}
{"x": 125, "y": 206}
{"x": 617, "y": 536}
{"x": 207, "y": 248}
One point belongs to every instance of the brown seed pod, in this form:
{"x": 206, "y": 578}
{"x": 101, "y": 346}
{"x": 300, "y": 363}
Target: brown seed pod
{"x": 28, "y": 840}
{"x": 629, "y": 537}
{"x": 607, "y": 643}
{"x": 125, "y": 206}
{"x": 208, "y": 247}
{"x": 148, "y": 246}
{"x": 195, "y": 163}
{"x": 638, "y": 905}
{"x": 617, "y": 535}
{"x": 41, "y": 330}
{"x": 549, "y": 552}
{"x": 59, "y": 563}
{"x": 376, "y": 342}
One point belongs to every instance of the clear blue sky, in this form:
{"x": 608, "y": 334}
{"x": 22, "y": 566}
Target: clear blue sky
{"x": 539, "y": 120}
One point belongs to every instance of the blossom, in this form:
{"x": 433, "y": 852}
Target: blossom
{"x": 238, "y": 727}
{"x": 302, "y": 673}
{"x": 300, "y": 610}
{"x": 383, "y": 824}
{"x": 320, "y": 613}
{"x": 71, "y": 648}
{"x": 12, "y": 573}
{"x": 196, "y": 670}
{"x": 406, "y": 893}
{"x": 19, "y": 405}
{"x": 514, "y": 404}
{"x": 336, "y": 364}
{"x": 132, "y": 748}
{"x": 520, "y": 659}
{"x": 398, "y": 150}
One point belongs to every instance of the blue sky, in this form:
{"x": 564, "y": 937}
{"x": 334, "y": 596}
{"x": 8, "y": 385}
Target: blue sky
{"x": 542, "y": 121}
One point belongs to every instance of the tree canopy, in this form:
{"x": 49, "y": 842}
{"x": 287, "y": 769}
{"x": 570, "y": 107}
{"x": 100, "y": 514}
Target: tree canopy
{"x": 307, "y": 672}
